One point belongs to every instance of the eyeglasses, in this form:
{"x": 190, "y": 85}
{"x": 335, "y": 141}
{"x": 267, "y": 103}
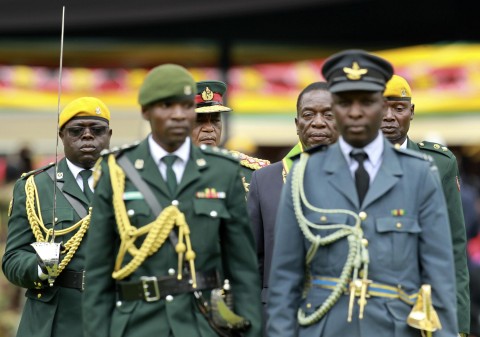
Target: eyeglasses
{"x": 77, "y": 131}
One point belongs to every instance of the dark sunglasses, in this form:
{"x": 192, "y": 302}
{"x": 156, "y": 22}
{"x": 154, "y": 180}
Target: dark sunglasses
{"x": 77, "y": 131}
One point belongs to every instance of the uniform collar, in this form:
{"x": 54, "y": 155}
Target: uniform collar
{"x": 183, "y": 152}
{"x": 74, "y": 168}
{"x": 374, "y": 149}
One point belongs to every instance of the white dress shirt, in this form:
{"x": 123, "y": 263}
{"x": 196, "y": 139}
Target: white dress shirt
{"x": 374, "y": 150}
{"x": 183, "y": 153}
{"x": 76, "y": 174}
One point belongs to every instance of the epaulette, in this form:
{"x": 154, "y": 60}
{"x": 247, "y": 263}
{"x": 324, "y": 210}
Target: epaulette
{"x": 215, "y": 150}
{"x": 413, "y": 153}
{"x": 37, "y": 171}
{"x": 250, "y": 162}
{"x": 117, "y": 150}
{"x": 316, "y": 148}
{"x": 435, "y": 147}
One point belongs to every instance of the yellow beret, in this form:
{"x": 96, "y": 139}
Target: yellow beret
{"x": 89, "y": 107}
{"x": 397, "y": 89}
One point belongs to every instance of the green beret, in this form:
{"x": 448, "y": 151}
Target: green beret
{"x": 165, "y": 82}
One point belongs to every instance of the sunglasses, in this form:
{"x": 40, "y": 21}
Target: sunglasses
{"x": 77, "y": 131}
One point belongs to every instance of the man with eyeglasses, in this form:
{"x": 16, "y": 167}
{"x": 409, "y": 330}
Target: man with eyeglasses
{"x": 38, "y": 213}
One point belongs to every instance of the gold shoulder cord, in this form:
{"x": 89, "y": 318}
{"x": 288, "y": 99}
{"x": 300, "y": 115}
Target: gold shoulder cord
{"x": 357, "y": 254}
{"x": 156, "y": 232}
{"x": 34, "y": 215}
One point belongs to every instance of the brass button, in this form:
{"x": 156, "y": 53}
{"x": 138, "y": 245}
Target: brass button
{"x": 309, "y": 305}
{"x": 175, "y": 202}
{"x": 436, "y": 146}
{"x": 118, "y": 304}
{"x": 213, "y": 214}
{"x": 362, "y": 215}
{"x": 39, "y": 295}
{"x": 169, "y": 298}
{"x": 171, "y": 271}
{"x": 131, "y": 212}
{"x": 398, "y": 225}
{"x": 365, "y": 242}
{"x": 323, "y": 218}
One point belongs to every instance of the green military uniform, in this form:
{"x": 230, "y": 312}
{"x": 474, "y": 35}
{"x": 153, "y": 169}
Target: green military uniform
{"x": 49, "y": 311}
{"x": 449, "y": 175}
{"x": 211, "y": 197}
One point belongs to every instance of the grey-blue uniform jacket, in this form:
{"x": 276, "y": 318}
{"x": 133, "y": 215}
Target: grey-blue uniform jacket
{"x": 408, "y": 250}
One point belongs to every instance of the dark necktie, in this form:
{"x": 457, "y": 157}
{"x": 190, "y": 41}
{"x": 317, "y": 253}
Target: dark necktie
{"x": 362, "y": 179}
{"x": 171, "y": 177}
{"x": 85, "y": 174}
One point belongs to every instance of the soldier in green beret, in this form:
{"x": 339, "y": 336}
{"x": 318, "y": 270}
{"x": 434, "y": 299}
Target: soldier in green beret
{"x": 169, "y": 229}
{"x": 395, "y": 126}
{"x": 38, "y": 215}
{"x": 208, "y": 125}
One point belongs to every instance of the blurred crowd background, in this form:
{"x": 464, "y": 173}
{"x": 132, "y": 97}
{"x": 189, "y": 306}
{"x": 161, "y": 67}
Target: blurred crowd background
{"x": 267, "y": 51}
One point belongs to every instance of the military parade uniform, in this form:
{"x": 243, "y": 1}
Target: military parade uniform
{"x": 163, "y": 243}
{"x": 248, "y": 166}
{"x": 49, "y": 311}
{"x": 449, "y": 176}
{"x": 211, "y": 197}
{"x": 371, "y": 257}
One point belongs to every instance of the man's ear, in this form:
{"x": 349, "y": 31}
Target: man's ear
{"x": 145, "y": 113}
{"x": 296, "y": 124}
{"x": 412, "y": 111}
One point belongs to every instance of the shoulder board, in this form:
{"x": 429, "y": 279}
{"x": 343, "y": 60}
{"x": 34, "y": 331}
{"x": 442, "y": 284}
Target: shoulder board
{"x": 118, "y": 150}
{"x": 435, "y": 147}
{"x": 37, "y": 171}
{"x": 250, "y": 162}
{"x": 216, "y": 151}
{"x": 314, "y": 149}
{"x": 413, "y": 153}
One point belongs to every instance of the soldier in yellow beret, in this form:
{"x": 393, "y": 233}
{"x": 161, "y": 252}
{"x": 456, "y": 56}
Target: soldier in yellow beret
{"x": 38, "y": 214}
{"x": 169, "y": 227}
{"x": 395, "y": 126}
{"x": 208, "y": 125}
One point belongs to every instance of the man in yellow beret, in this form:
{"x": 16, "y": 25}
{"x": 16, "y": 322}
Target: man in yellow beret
{"x": 395, "y": 126}
{"x": 39, "y": 214}
{"x": 169, "y": 226}
{"x": 208, "y": 125}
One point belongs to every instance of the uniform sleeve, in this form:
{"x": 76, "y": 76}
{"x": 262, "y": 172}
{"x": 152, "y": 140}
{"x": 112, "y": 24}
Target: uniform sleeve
{"x": 435, "y": 253}
{"x": 287, "y": 271}
{"x": 255, "y": 213}
{"x": 451, "y": 191}
{"x": 99, "y": 296}
{"x": 19, "y": 262}
{"x": 239, "y": 259}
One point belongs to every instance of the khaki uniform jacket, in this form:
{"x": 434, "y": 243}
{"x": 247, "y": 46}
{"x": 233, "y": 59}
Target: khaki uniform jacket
{"x": 49, "y": 311}
{"x": 221, "y": 238}
{"x": 449, "y": 175}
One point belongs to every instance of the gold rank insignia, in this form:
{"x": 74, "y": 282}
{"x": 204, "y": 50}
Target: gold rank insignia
{"x": 98, "y": 111}
{"x": 210, "y": 193}
{"x": 201, "y": 162}
{"x": 207, "y": 94}
{"x": 139, "y": 164}
{"x": 355, "y": 72}
{"x": 187, "y": 90}
{"x": 403, "y": 93}
{"x": 59, "y": 175}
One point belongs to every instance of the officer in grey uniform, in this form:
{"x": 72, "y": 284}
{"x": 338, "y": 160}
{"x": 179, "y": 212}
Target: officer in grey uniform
{"x": 373, "y": 252}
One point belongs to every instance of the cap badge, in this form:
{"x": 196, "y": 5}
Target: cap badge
{"x": 59, "y": 175}
{"x": 403, "y": 93}
{"x": 355, "y": 72}
{"x": 187, "y": 90}
{"x": 207, "y": 94}
{"x": 98, "y": 111}
{"x": 201, "y": 162}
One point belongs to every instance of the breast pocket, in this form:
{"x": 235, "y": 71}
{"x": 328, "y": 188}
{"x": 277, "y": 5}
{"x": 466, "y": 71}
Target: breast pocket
{"x": 332, "y": 256}
{"x": 398, "y": 242}
{"x": 63, "y": 217}
{"x": 138, "y": 213}
{"x": 208, "y": 215}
